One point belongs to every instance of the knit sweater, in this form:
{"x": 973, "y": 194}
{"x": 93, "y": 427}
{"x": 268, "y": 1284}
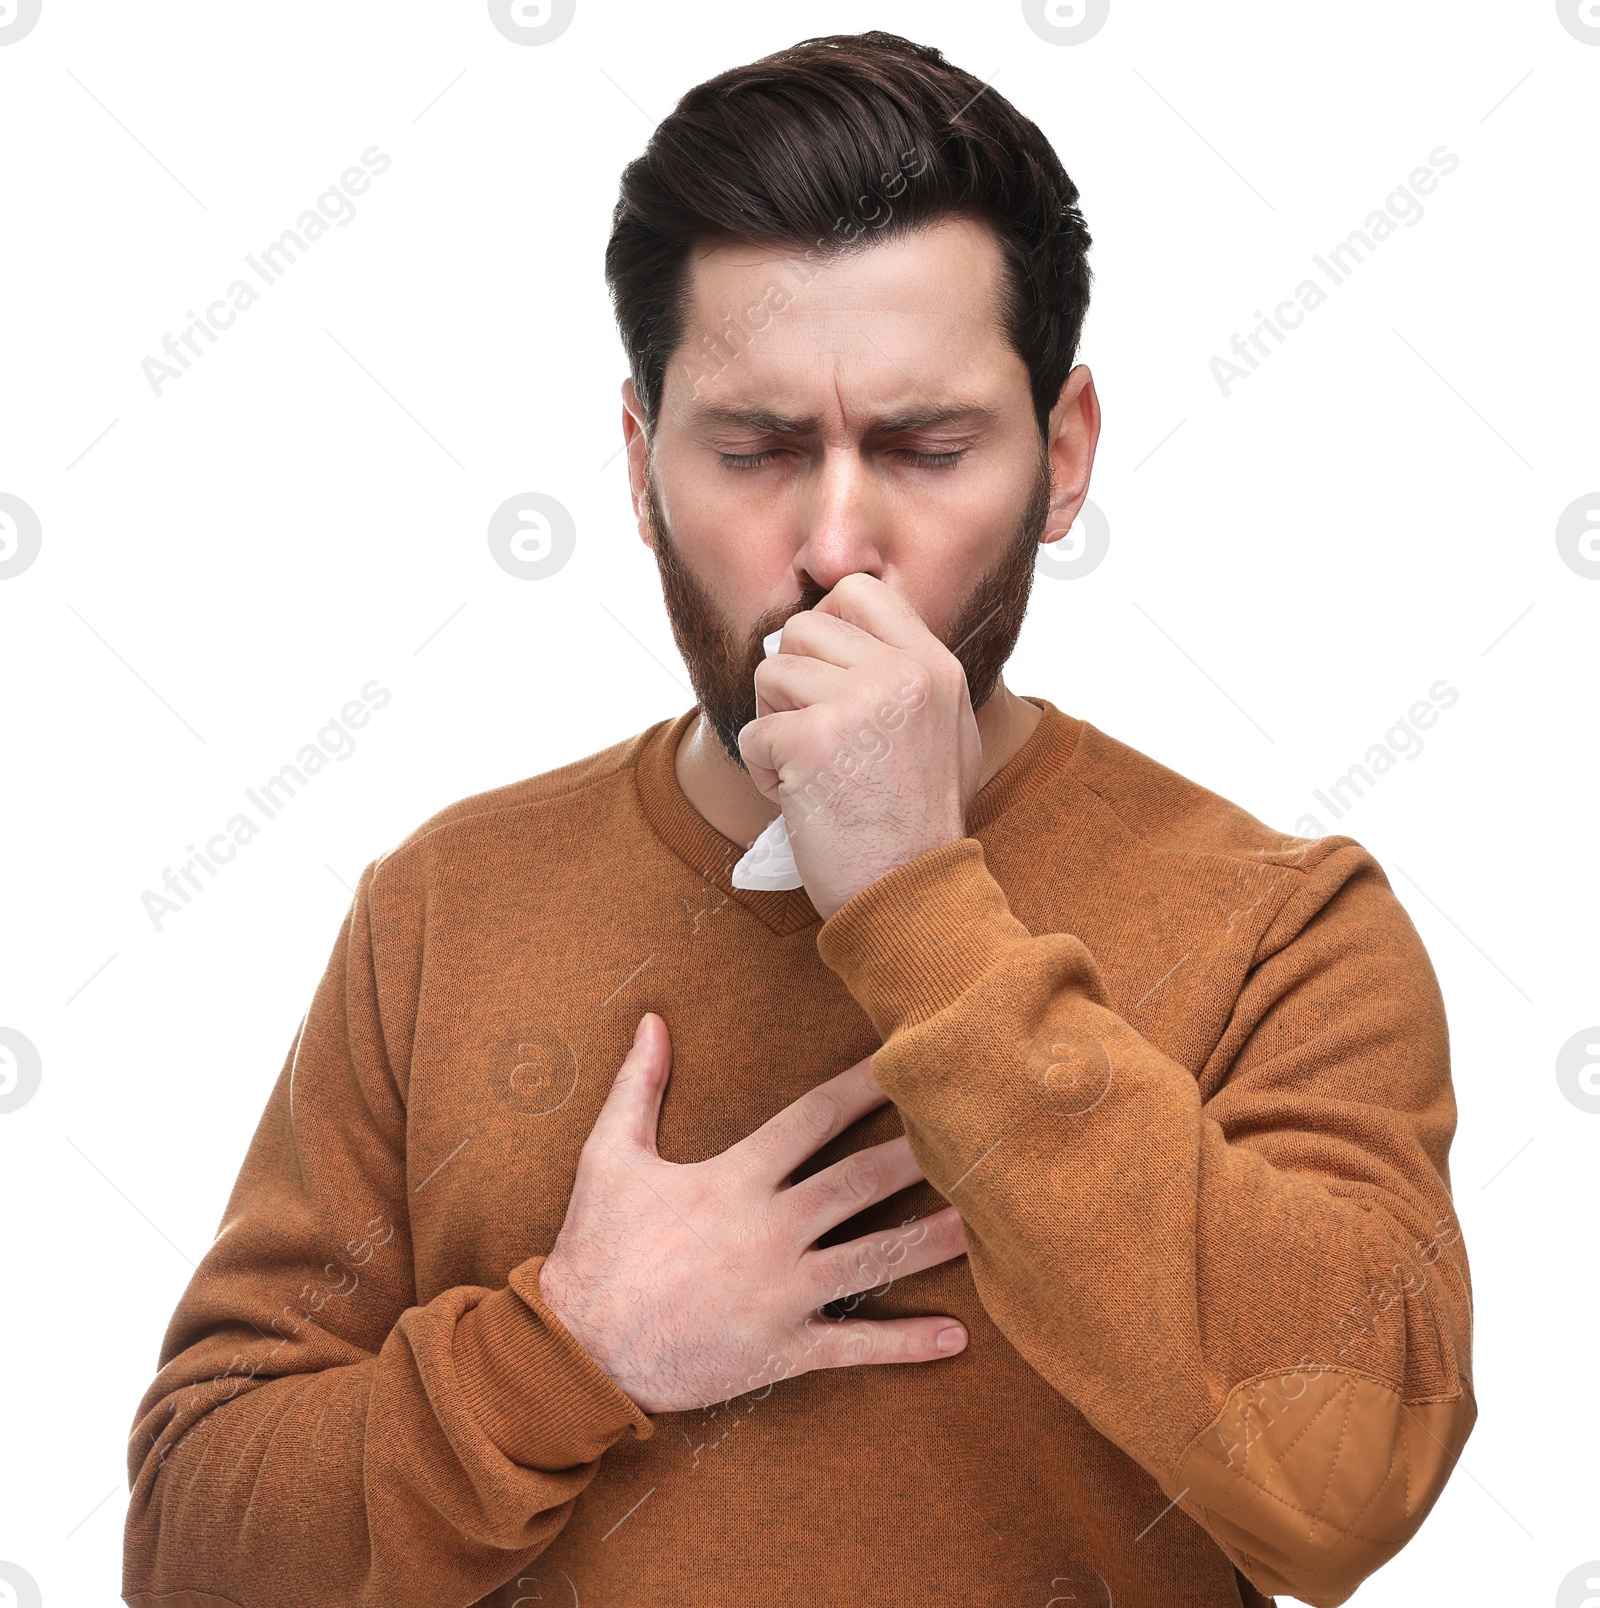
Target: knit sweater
{"x": 1186, "y": 1079}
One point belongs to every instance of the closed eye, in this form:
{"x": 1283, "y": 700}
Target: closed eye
{"x": 918, "y": 460}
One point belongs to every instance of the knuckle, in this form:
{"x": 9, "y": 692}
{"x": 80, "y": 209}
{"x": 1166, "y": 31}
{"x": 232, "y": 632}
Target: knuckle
{"x": 858, "y": 1179}
{"x": 864, "y": 1268}
{"x": 871, "y": 1272}
{"x": 818, "y": 1112}
{"x": 916, "y": 687}
{"x": 858, "y": 1342}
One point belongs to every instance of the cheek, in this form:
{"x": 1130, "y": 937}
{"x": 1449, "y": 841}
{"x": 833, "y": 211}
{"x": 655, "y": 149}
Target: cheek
{"x": 938, "y": 560}
{"x": 721, "y": 528}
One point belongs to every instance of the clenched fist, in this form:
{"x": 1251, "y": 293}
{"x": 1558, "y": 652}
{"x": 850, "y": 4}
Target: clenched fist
{"x": 865, "y": 739}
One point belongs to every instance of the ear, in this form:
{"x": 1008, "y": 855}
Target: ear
{"x": 1074, "y": 433}
{"x": 636, "y": 441}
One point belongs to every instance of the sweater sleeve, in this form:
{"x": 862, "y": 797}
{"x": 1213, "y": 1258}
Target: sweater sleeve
{"x": 1247, "y": 1274}
{"x": 314, "y": 1434}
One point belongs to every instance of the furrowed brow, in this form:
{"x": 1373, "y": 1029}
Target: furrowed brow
{"x": 767, "y": 421}
{"x": 923, "y": 418}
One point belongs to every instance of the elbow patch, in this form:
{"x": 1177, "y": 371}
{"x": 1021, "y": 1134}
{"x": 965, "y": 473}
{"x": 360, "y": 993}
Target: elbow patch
{"x": 1311, "y": 1480}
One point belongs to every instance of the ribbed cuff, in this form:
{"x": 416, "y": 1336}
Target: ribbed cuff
{"x": 541, "y": 1398}
{"x": 916, "y": 940}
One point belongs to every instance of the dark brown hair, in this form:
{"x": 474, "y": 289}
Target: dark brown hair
{"x": 832, "y": 145}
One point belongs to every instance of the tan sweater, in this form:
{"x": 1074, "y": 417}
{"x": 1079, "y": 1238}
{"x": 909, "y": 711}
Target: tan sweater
{"x": 1186, "y": 1078}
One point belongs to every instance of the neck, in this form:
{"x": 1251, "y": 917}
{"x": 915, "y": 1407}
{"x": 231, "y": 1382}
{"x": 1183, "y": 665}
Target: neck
{"x": 723, "y": 794}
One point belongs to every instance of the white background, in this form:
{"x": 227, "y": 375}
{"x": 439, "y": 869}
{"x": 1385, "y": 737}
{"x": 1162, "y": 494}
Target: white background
{"x": 1291, "y": 567}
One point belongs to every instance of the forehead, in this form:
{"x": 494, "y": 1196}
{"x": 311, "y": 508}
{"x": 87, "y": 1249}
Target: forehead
{"x": 914, "y": 317}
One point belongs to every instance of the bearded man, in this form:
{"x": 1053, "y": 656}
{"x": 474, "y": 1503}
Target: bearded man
{"x": 1021, "y": 1177}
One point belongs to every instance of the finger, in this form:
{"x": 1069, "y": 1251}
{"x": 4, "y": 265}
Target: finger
{"x": 881, "y": 1258}
{"x": 768, "y": 742}
{"x": 827, "y": 1198}
{"x": 875, "y": 607}
{"x": 755, "y": 749}
{"x": 854, "y": 1342}
{"x": 805, "y": 1125}
{"x": 794, "y": 681}
{"x": 632, "y": 1111}
{"x": 825, "y": 636}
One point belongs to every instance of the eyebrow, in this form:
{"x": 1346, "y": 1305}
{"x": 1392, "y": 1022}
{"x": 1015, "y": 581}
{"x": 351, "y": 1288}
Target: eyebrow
{"x": 767, "y": 421}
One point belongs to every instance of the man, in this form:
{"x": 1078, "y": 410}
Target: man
{"x": 1045, "y": 1202}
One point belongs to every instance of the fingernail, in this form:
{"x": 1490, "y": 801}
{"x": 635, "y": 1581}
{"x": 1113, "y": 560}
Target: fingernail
{"x": 951, "y": 1339}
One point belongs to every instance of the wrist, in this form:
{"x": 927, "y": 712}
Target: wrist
{"x": 554, "y": 1291}
{"x": 839, "y": 895}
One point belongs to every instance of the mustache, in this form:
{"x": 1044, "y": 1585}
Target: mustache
{"x": 774, "y": 619}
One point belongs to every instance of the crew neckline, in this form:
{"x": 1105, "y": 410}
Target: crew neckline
{"x": 695, "y": 841}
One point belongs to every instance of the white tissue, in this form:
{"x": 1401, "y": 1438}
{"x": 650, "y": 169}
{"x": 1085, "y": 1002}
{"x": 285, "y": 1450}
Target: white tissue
{"x": 768, "y": 863}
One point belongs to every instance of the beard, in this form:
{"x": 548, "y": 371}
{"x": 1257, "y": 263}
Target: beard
{"x": 722, "y": 661}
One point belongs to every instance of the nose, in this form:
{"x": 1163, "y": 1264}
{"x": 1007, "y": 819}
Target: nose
{"x": 843, "y": 521}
